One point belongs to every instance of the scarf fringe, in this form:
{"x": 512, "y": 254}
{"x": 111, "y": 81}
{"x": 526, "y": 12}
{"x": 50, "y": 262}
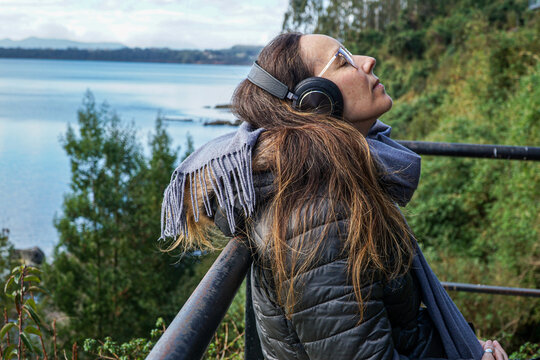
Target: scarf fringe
{"x": 227, "y": 186}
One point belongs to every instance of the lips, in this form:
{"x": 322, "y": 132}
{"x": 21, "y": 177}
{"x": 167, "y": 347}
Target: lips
{"x": 377, "y": 82}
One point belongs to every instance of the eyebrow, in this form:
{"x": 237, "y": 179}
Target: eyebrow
{"x": 337, "y": 49}
{"x": 333, "y": 53}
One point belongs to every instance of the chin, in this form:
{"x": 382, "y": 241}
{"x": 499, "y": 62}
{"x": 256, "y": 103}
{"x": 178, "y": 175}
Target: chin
{"x": 388, "y": 105}
{"x": 390, "y": 101}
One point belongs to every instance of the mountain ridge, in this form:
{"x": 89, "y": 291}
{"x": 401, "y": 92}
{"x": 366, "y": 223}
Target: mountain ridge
{"x": 58, "y": 44}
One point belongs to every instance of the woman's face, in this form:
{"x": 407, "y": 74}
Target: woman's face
{"x": 365, "y": 99}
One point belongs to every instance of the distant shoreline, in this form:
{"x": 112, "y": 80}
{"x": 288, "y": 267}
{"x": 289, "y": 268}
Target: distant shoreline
{"x": 236, "y": 55}
{"x": 208, "y": 122}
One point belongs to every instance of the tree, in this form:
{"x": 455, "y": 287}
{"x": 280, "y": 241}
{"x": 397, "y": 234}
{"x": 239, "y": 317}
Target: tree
{"x": 108, "y": 275}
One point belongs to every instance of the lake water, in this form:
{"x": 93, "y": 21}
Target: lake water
{"x": 38, "y": 98}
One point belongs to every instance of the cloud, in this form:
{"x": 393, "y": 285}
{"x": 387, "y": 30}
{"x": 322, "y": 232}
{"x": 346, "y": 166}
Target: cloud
{"x": 54, "y": 30}
{"x": 145, "y": 23}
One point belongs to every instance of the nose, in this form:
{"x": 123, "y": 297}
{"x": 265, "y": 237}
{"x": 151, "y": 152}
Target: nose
{"x": 368, "y": 63}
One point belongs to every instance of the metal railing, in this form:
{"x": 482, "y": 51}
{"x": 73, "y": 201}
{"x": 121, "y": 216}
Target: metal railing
{"x": 188, "y": 336}
{"x": 487, "y": 289}
{"x": 473, "y": 150}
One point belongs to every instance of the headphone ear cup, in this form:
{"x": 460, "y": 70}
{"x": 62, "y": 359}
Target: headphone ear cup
{"x": 319, "y": 95}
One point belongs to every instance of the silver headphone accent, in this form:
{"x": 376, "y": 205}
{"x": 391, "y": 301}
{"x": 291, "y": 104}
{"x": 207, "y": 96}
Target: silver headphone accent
{"x": 305, "y": 95}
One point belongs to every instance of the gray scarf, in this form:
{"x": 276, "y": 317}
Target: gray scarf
{"x": 226, "y": 162}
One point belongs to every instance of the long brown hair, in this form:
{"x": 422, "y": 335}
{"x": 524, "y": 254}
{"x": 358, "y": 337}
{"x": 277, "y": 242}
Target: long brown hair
{"x": 319, "y": 154}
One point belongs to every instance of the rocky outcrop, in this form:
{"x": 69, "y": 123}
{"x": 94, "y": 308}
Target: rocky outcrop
{"x": 32, "y": 256}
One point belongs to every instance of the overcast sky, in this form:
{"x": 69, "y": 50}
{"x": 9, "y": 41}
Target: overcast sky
{"x": 204, "y": 24}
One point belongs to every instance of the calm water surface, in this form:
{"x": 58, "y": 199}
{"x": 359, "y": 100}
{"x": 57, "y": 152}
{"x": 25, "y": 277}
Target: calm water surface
{"x": 38, "y": 98}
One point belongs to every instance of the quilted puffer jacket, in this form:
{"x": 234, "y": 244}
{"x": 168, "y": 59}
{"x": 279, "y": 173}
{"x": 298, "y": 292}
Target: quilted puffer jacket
{"x": 325, "y": 322}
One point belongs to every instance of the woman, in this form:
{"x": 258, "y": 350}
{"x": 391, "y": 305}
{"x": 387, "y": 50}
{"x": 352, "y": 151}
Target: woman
{"x": 313, "y": 179}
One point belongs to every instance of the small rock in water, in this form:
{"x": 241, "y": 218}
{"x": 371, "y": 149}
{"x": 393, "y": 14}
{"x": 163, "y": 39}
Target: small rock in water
{"x": 33, "y": 256}
{"x": 177, "y": 119}
{"x": 222, "y": 122}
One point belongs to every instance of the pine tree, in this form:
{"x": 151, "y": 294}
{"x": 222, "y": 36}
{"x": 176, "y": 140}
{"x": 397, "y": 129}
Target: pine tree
{"x": 108, "y": 275}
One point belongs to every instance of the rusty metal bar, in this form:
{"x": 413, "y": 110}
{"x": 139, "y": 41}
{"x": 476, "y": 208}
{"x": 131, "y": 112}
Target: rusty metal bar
{"x": 473, "y": 150}
{"x": 487, "y": 289}
{"x": 188, "y": 336}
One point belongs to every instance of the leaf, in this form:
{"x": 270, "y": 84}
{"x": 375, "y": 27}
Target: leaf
{"x": 32, "y": 278}
{"x": 17, "y": 302}
{"x": 33, "y": 315}
{"x": 5, "y": 329}
{"x": 17, "y": 269}
{"x": 32, "y": 330}
{"x": 8, "y": 283}
{"x": 32, "y": 303}
{"x": 27, "y": 342}
{"x": 10, "y": 351}
{"x": 34, "y": 288}
{"x": 33, "y": 270}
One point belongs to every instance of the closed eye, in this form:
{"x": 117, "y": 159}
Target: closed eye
{"x": 342, "y": 61}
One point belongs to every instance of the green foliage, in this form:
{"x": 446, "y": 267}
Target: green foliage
{"x": 22, "y": 331}
{"x": 108, "y": 276}
{"x": 228, "y": 342}
{"x": 23, "y": 337}
{"x": 134, "y": 349}
{"x": 6, "y": 263}
{"x": 464, "y": 71}
{"x": 526, "y": 351}
{"x": 480, "y": 217}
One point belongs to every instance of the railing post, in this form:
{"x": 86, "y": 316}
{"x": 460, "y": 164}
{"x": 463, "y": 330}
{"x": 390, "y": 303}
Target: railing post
{"x": 188, "y": 336}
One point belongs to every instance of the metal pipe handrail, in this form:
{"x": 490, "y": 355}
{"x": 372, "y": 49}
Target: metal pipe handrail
{"x": 189, "y": 334}
{"x": 473, "y": 150}
{"x": 488, "y": 289}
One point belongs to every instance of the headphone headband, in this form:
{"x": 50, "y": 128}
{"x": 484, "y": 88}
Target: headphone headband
{"x": 265, "y": 81}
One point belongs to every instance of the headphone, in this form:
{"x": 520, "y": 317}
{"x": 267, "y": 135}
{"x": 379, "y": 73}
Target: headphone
{"x": 314, "y": 94}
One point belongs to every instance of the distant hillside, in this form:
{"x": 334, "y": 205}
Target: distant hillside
{"x": 236, "y": 55}
{"x": 39, "y": 43}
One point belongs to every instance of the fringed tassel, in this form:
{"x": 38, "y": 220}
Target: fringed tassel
{"x": 206, "y": 199}
{"x": 172, "y": 217}
{"x": 231, "y": 179}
